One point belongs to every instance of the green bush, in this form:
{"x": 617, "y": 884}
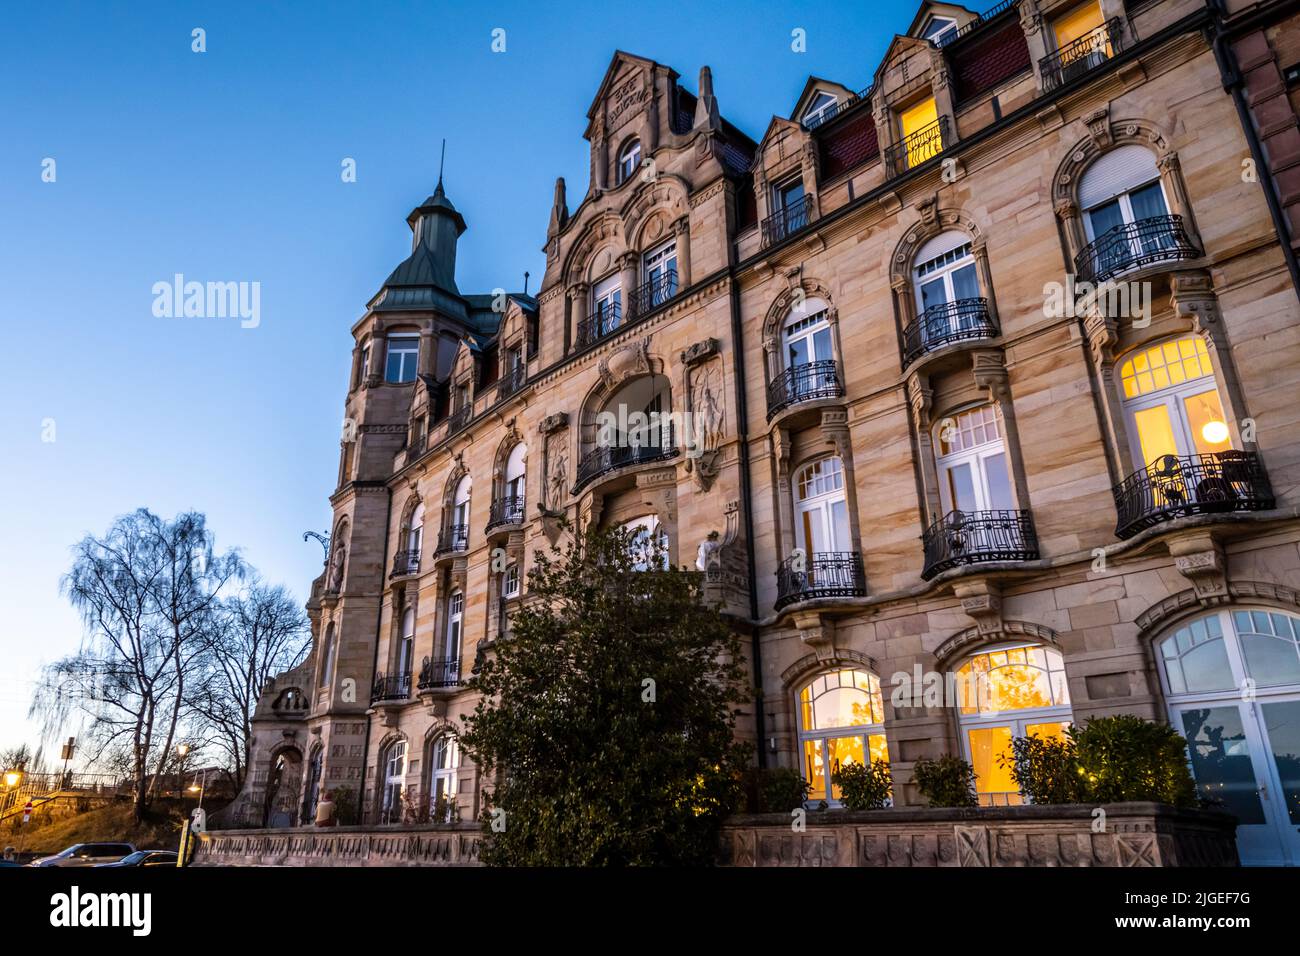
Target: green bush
{"x": 863, "y": 786}
{"x": 774, "y": 790}
{"x": 945, "y": 781}
{"x": 345, "y": 807}
{"x": 1108, "y": 760}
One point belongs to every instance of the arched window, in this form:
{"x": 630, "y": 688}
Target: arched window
{"x": 636, "y": 416}
{"x": 458, "y": 526}
{"x": 415, "y": 535}
{"x": 403, "y": 356}
{"x": 514, "y": 483}
{"x": 820, "y": 108}
{"x": 946, "y": 282}
{"x": 821, "y": 509}
{"x": 393, "y": 764}
{"x": 1125, "y": 212}
{"x": 629, "y": 161}
{"x": 455, "y": 617}
{"x": 444, "y": 763}
{"x": 1017, "y": 690}
{"x": 648, "y": 544}
{"x": 971, "y": 461}
{"x": 327, "y": 658}
{"x": 841, "y": 721}
{"x": 808, "y": 352}
{"x": 1243, "y": 746}
{"x": 1171, "y": 402}
{"x": 406, "y": 647}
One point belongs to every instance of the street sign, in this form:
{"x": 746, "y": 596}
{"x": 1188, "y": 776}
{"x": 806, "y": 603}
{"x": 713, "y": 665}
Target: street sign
{"x": 27, "y": 812}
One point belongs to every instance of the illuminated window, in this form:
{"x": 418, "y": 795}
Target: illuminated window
{"x": 841, "y": 721}
{"x": 1006, "y": 692}
{"x": 1172, "y": 403}
{"x": 1076, "y": 24}
{"x": 629, "y": 160}
{"x": 920, "y": 132}
{"x": 972, "y": 462}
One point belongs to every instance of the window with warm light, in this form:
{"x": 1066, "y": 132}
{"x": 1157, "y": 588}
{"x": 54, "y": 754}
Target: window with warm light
{"x": 920, "y": 134}
{"x": 1077, "y": 23}
{"x": 841, "y": 721}
{"x": 1007, "y": 692}
{"x": 1171, "y": 401}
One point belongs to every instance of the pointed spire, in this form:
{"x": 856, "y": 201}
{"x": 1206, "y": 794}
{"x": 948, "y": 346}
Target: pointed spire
{"x": 559, "y": 209}
{"x": 706, "y": 105}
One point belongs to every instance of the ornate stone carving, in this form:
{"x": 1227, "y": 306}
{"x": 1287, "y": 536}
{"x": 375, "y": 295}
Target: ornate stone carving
{"x": 1199, "y": 558}
{"x": 631, "y": 360}
{"x": 553, "y": 423}
{"x": 981, "y": 599}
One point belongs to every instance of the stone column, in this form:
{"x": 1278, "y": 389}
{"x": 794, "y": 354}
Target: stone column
{"x": 1031, "y": 22}
{"x": 682, "y": 228}
{"x": 979, "y": 248}
{"x": 428, "y": 352}
{"x": 378, "y": 353}
{"x": 920, "y": 398}
{"x": 579, "y": 306}
{"x": 1067, "y": 211}
{"x": 628, "y": 266}
{"x": 991, "y": 374}
{"x": 835, "y": 430}
{"x": 1191, "y": 294}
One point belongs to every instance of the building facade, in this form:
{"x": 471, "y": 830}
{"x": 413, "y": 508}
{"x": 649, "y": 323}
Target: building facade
{"x": 971, "y": 393}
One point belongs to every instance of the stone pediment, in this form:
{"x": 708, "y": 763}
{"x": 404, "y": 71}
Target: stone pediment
{"x": 623, "y": 96}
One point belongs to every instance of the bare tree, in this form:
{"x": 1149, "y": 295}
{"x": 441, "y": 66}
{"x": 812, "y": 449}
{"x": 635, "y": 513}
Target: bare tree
{"x": 147, "y": 592}
{"x": 257, "y": 633}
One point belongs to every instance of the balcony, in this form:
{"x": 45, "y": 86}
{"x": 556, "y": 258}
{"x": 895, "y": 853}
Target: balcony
{"x": 787, "y": 221}
{"x": 406, "y": 562}
{"x": 983, "y": 19}
{"x": 648, "y": 296}
{"x": 958, "y": 321}
{"x": 1177, "y": 486}
{"x": 1134, "y": 245}
{"x": 506, "y": 512}
{"x": 458, "y": 419}
{"x": 923, "y": 145}
{"x": 396, "y": 687}
{"x": 599, "y": 324}
{"x": 1082, "y": 55}
{"x": 438, "y": 673}
{"x": 830, "y": 574}
{"x": 803, "y": 383}
{"x": 974, "y": 537}
{"x": 510, "y": 383}
{"x": 454, "y": 539}
{"x": 602, "y": 461}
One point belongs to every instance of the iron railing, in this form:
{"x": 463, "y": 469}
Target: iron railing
{"x": 923, "y": 145}
{"x": 803, "y": 383}
{"x": 940, "y": 325}
{"x": 453, "y": 538}
{"x": 459, "y": 418}
{"x": 439, "y": 672}
{"x": 649, "y": 295}
{"x": 1135, "y": 244}
{"x": 787, "y": 221}
{"x": 972, "y": 537}
{"x": 1082, "y": 55}
{"x": 604, "y": 459}
{"x": 843, "y": 106}
{"x": 599, "y": 324}
{"x": 1174, "y": 486}
{"x": 511, "y": 382}
{"x": 394, "y": 687}
{"x": 406, "y": 562}
{"x": 416, "y": 446}
{"x": 506, "y": 510}
{"x": 828, "y": 574}
{"x": 988, "y": 15}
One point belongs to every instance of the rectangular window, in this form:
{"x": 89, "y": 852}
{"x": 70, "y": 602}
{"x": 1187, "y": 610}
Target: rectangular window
{"x": 510, "y": 582}
{"x": 403, "y": 357}
{"x": 915, "y": 120}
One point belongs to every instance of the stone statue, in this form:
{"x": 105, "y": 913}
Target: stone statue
{"x": 708, "y": 554}
{"x": 335, "y": 582}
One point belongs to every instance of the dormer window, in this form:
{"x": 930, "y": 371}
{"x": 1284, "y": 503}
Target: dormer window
{"x": 629, "y": 160}
{"x": 820, "y": 109}
{"x": 940, "y": 30}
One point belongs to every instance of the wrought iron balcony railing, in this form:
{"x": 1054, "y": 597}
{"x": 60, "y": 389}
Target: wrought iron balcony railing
{"x": 940, "y": 325}
{"x": 508, "y": 510}
{"x": 648, "y": 296}
{"x": 1133, "y": 245}
{"x": 395, "y": 687}
{"x": 416, "y": 446}
{"x": 787, "y": 221}
{"x": 459, "y": 418}
{"x": 454, "y": 538}
{"x": 843, "y": 106}
{"x": 406, "y": 562}
{"x": 439, "y": 672}
{"x": 973, "y": 537}
{"x": 511, "y": 382}
{"x": 599, "y": 324}
{"x": 605, "y": 459}
{"x": 1082, "y": 55}
{"x": 1175, "y": 486}
{"x": 923, "y": 145}
{"x": 988, "y": 15}
{"x": 828, "y": 574}
{"x": 803, "y": 383}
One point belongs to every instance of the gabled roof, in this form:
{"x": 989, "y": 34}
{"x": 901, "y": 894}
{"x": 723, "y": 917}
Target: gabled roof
{"x": 930, "y": 8}
{"x": 619, "y": 58}
{"x": 810, "y": 89}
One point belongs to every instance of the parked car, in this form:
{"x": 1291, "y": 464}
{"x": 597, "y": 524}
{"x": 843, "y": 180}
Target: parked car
{"x": 86, "y": 854}
{"x": 145, "y": 858}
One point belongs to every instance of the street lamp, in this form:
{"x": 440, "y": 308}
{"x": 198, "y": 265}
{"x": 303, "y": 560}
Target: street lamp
{"x": 182, "y": 751}
{"x": 13, "y": 778}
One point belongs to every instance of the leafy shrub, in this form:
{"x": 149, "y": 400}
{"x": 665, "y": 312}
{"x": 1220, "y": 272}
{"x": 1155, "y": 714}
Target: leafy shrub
{"x": 774, "y": 790}
{"x": 863, "y": 786}
{"x": 345, "y": 806}
{"x": 945, "y": 781}
{"x": 1108, "y": 760}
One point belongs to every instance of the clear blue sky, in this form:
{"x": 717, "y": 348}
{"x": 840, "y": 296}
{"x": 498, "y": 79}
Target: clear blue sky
{"x": 225, "y": 166}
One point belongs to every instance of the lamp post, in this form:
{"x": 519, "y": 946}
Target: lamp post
{"x": 12, "y": 779}
{"x": 182, "y": 751}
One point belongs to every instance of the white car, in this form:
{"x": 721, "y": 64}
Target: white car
{"x": 86, "y": 854}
